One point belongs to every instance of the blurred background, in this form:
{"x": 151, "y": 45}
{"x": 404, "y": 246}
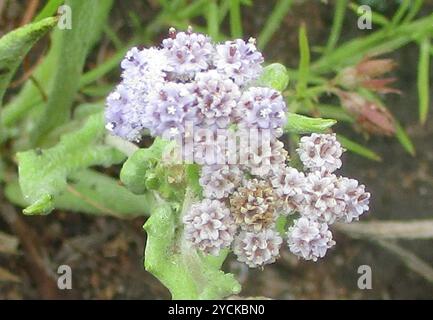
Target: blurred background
{"x": 106, "y": 254}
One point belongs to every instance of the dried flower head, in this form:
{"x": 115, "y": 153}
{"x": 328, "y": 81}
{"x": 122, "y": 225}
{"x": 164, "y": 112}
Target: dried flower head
{"x": 309, "y": 239}
{"x": 320, "y": 152}
{"x": 254, "y": 205}
{"x": 209, "y": 226}
{"x": 257, "y": 249}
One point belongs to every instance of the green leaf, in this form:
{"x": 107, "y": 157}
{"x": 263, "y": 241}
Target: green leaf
{"x": 358, "y": 148}
{"x": 88, "y": 19}
{"x": 34, "y": 91}
{"x": 273, "y": 22}
{"x": 43, "y": 173}
{"x": 94, "y": 193}
{"x": 15, "y": 45}
{"x": 48, "y": 10}
{"x": 185, "y": 272}
{"x": 302, "y": 124}
{"x": 137, "y": 173}
{"x": 274, "y": 76}
{"x": 404, "y": 139}
{"x": 423, "y": 79}
{"x": 192, "y": 172}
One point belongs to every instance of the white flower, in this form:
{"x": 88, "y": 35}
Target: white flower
{"x": 239, "y": 60}
{"x": 309, "y": 239}
{"x": 217, "y": 96}
{"x": 209, "y": 226}
{"x": 266, "y": 158}
{"x": 188, "y": 52}
{"x": 257, "y": 249}
{"x": 219, "y": 181}
{"x": 124, "y": 114}
{"x": 352, "y": 197}
{"x": 289, "y": 184}
{"x": 320, "y": 198}
{"x": 262, "y": 108}
{"x": 320, "y": 152}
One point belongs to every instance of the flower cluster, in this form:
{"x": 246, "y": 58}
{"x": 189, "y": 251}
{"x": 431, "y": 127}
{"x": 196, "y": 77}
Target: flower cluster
{"x": 190, "y": 81}
{"x": 204, "y": 96}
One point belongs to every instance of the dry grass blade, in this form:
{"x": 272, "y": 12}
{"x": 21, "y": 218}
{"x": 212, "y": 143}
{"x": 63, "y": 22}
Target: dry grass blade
{"x": 7, "y": 276}
{"x": 8, "y": 243}
{"x": 411, "y": 260}
{"x": 416, "y": 229}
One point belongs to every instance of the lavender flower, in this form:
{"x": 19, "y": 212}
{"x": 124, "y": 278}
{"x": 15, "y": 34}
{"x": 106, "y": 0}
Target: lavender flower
{"x": 239, "y": 60}
{"x": 266, "y": 158}
{"x": 209, "y": 226}
{"x": 320, "y": 152}
{"x": 309, "y": 239}
{"x": 170, "y": 106}
{"x": 188, "y": 52}
{"x": 123, "y": 114}
{"x": 262, "y": 108}
{"x": 352, "y": 197}
{"x": 257, "y": 249}
{"x": 320, "y": 200}
{"x": 219, "y": 181}
{"x": 289, "y": 184}
{"x": 217, "y": 96}
{"x": 142, "y": 69}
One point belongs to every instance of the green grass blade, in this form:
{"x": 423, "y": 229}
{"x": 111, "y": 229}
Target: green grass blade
{"x": 337, "y": 23}
{"x": 402, "y": 9}
{"x": 404, "y": 139}
{"x": 358, "y": 148}
{"x": 235, "y": 19}
{"x": 212, "y": 19}
{"x": 423, "y": 80}
{"x": 304, "y": 62}
{"x": 273, "y": 22}
{"x": 376, "y": 17}
{"x": 414, "y": 9}
{"x": 88, "y": 19}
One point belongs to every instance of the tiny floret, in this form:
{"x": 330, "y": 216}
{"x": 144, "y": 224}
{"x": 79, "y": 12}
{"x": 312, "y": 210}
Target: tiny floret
{"x": 309, "y": 239}
{"x": 257, "y": 249}
{"x": 209, "y": 226}
{"x": 320, "y": 152}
